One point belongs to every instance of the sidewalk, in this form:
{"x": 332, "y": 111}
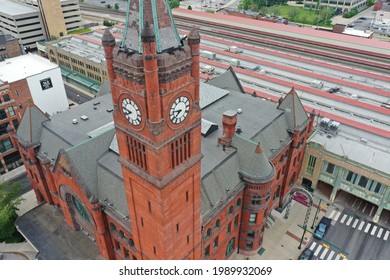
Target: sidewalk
{"x": 23, "y": 250}
{"x": 281, "y": 241}
{"x": 13, "y": 174}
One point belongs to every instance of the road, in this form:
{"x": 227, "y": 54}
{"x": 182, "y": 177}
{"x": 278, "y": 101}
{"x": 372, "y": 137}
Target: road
{"x": 359, "y": 238}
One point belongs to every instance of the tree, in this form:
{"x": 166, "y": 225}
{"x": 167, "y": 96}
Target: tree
{"x": 189, "y": 7}
{"x": 116, "y": 6}
{"x": 108, "y": 6}
{"x": 174, "y": 3}
{"x": 9, "y": 200}
{"x": 293, "y": 14}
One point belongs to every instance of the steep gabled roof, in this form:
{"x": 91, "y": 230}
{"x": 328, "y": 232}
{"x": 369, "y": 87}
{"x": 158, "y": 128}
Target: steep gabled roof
{"x": 295, "y": 113}
{"x": 30, "y": 127}
{"x": 227, "y": 80}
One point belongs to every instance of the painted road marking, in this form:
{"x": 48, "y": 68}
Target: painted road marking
{"x": 367, "y": 227}
{"x": 324, "y": 253}
{"x": 355, "y": 223}
{"x": 349, "y": 220}
{"x": 313, "y": 245}
{"x": 373, "y": 230}
{"x": 318, "y": 251}
{"x": 379, "y": 233}
{"x": 338, "y": 257}
{"x": 332, "y": 214}
{"x": 386, "y": 235}
{"x": 361, "y": 225}
{"x": 343, "y": 219}
{"x": 337, "y": 216}
{"x": 330, "y": 255}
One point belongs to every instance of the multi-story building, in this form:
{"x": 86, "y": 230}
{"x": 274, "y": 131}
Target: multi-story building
{"x": 81, "y": 57}
{"x": 33, "y": 79}
{"x": 32, "y": 21}
{"x": 344, "y": 159}
{"x": 9, "y": 116}
{"x": 59, "y": 16}
{"x": 339, "y": 5}
{"x": 9, "y": 46}
{"x": 166, "y": 167}
{"x": 23, "y": 22}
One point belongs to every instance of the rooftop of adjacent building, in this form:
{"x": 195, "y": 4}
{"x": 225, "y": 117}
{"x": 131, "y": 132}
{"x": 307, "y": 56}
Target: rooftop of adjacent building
{"x": 352, "y": 144}
{"x": 87, "y": 45}
{"x": 4, "y": 38}
{"x": 13, "y": 8}
{"x": 21, "y": 67}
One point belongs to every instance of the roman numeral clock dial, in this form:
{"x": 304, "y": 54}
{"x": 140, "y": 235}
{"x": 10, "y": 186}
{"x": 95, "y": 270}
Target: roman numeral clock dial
{"x": 179, "y": 109}
{"x": 131, "y": 111}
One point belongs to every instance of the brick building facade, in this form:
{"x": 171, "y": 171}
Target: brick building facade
{"x": 9, "y": 46}
{"x": 9, "y": 116}
{"x": 144, "y": 170}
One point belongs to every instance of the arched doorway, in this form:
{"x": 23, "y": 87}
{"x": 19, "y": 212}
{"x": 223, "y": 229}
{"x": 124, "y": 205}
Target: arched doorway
{"x": 81, "y": 217}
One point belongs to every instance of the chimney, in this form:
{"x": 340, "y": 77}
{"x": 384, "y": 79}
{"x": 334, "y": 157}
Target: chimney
{"x": 229, "y": 121}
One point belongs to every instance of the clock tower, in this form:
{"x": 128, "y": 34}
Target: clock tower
{"x": 154, "y": 77}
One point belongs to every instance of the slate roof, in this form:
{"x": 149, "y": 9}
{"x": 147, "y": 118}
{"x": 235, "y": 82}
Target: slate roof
{"x": 227, "y": 80}
{"x": 252, "y": 160}
{"x": 31, "y": 125}
{"x": 91, "y": 145}
{"x": 294, "y": 111}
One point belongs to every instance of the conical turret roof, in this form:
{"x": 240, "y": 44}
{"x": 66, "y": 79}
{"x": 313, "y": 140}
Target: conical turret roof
{"x": 158, "y": 14}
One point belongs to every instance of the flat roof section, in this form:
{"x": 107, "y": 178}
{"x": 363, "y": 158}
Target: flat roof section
{"x": 363, "y": 148}
{"x": 21, "y": 67}
{"x": 15, "y": 8}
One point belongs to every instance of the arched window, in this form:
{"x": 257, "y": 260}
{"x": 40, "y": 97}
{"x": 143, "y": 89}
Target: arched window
{"x": 208, "y": 232}
{"x": 238, "y": 203}
{"x": 230, "y": 247}
{"x": 80, "y": 209}
{"x": 218, "y": 223}
{"x": 121, "y": 234}
{"x": 230, "y": 210}
{"x": 131, "y": 242}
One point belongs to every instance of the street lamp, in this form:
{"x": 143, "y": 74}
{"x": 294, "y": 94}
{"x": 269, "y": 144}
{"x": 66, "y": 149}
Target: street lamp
{"x": 315, "y": 216}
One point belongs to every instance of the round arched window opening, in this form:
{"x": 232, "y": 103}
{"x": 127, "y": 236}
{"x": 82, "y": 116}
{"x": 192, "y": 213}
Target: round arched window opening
{"x": 80, "y": 209}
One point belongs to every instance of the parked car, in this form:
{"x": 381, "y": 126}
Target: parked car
{"x": 322, "y": 228}
{"x": 307, "y": 254}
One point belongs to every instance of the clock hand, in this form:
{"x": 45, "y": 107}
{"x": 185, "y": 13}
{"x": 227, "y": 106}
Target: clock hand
{"x": 177, "y": 112}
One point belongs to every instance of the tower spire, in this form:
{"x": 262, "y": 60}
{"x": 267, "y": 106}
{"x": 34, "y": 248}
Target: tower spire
{"x": 159, "y": 15}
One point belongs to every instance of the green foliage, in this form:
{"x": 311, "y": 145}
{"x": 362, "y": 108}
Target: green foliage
{"x": 251, "y": 4}
{"x": 80, "y": 31}
{"x": 189, "y": 7}
{"x": 211, "y": 11}
{"x": 293, "y": 14}
{"x": 116, "y": 6}
{"x": 174, "y": 3}
{"x": 9, "y": 200}
{"x": 108, "y": 23}
{"x": 350, "y": 13}
{"x": 108, "y": 6}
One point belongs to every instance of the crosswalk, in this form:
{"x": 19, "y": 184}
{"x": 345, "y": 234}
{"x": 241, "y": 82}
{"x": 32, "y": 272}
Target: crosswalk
{"x": 357, "y": 223}
{"x": 321, "y": 252}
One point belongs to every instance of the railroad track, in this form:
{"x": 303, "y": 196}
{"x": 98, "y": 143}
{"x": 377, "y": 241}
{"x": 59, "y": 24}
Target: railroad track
{"x": 350, "y": 56}
{"x": 353, "y": 57}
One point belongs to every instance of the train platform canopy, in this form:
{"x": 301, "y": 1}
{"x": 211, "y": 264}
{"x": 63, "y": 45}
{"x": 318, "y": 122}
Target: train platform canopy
{"x": 293, "y": 32}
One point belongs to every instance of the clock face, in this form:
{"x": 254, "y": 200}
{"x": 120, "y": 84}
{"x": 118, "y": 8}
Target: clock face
{"x": 131, "y": 111}
{"x": 179, "y": 110}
